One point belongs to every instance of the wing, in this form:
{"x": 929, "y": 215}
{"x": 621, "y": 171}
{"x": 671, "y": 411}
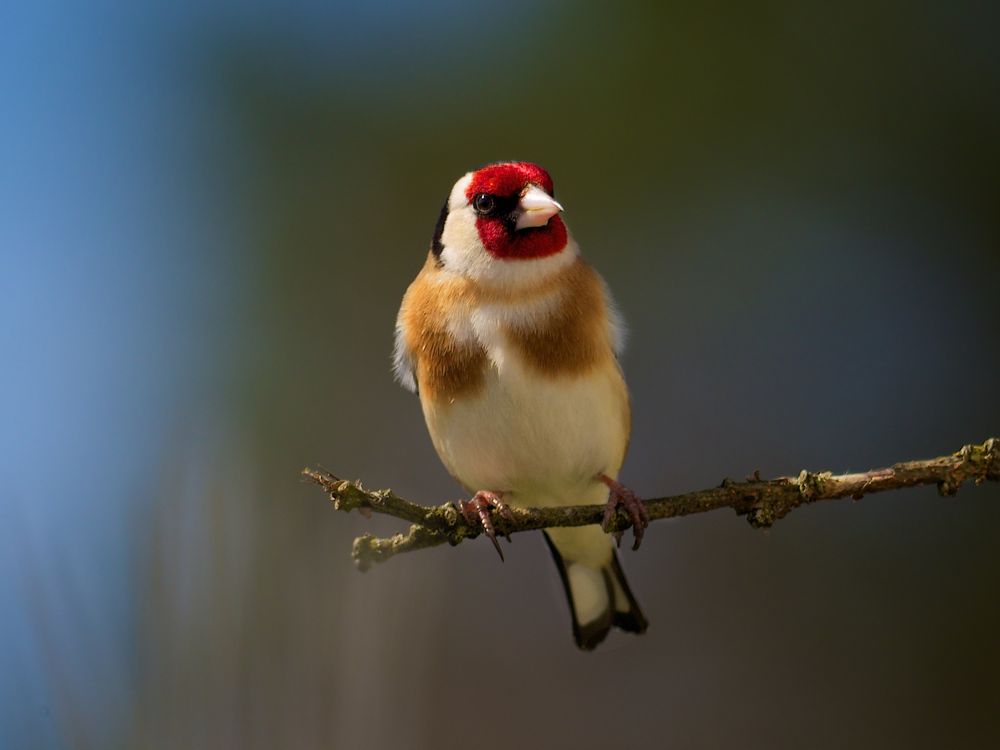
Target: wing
{"x": 617, "y": 331}
{"x": 403, "y": 363}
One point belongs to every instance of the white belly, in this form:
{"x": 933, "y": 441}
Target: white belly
{"x": 542, "y": 440}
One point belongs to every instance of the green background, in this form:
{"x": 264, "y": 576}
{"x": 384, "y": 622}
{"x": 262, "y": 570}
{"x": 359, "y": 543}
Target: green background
{"x": 213, "y": 216}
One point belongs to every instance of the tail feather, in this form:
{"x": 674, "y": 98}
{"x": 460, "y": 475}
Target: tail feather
{"x": 599, "y": 599}
{"x": 627, "y": 614}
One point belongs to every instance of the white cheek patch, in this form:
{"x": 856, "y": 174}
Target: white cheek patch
{"x": 463, "y": 251}
{"x": 462, "y": 248}
{"x": 457, "y": 198}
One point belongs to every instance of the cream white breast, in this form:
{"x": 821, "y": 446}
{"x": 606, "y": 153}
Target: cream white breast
{"x": 542, "y": 440}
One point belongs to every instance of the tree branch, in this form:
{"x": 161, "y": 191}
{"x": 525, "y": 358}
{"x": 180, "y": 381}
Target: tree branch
{"x": 762, "y": 501}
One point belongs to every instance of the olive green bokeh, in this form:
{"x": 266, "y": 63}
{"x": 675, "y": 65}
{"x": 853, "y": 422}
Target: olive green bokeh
{"x": 796, "y": 207}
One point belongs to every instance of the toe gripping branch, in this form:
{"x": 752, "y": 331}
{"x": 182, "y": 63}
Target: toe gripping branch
{"x": 762, "y": 501}
{"x": 620, "y": 495}
{"x": 477, "y": 512}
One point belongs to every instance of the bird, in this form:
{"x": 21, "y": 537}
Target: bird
{"x": 512, "y": 342}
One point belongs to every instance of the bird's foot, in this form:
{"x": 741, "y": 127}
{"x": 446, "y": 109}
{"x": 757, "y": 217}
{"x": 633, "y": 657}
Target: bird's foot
{"x": 621, "y": 495}
{"x": 477, "y": 510}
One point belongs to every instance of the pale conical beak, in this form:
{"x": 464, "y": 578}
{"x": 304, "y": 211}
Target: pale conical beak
{"x": 536, "y": 208}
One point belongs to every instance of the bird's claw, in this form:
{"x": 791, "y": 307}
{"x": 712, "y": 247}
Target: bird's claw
{"x": 621, "y": 495}
{"x": 477, "y": 511}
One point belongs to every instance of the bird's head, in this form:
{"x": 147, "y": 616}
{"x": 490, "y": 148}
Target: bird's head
{"x": 501, "y": 225}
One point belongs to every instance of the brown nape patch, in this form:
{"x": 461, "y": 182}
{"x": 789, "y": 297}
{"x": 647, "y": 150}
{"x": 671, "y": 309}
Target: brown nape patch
{"x": 574, "y": 337}
{"x": 445, "y": 367}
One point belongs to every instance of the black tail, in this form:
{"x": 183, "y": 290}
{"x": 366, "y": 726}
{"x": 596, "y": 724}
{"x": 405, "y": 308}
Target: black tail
{"x": 599, "y": 599}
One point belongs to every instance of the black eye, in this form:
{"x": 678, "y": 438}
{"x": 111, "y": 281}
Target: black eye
{"x": 484, "y": 203}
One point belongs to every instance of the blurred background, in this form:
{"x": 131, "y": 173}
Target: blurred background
{"x": 210, "y": 215}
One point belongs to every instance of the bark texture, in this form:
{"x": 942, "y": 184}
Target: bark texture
{"x": 762, "y": 501}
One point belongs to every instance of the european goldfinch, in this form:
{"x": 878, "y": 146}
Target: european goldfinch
{"x": 511, "y": 341}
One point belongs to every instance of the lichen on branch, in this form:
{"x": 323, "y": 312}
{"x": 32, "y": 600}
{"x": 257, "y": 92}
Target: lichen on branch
{"x": 762, "y": 501}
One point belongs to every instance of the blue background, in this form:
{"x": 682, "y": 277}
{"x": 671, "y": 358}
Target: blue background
{"x": 210, "y": 214}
